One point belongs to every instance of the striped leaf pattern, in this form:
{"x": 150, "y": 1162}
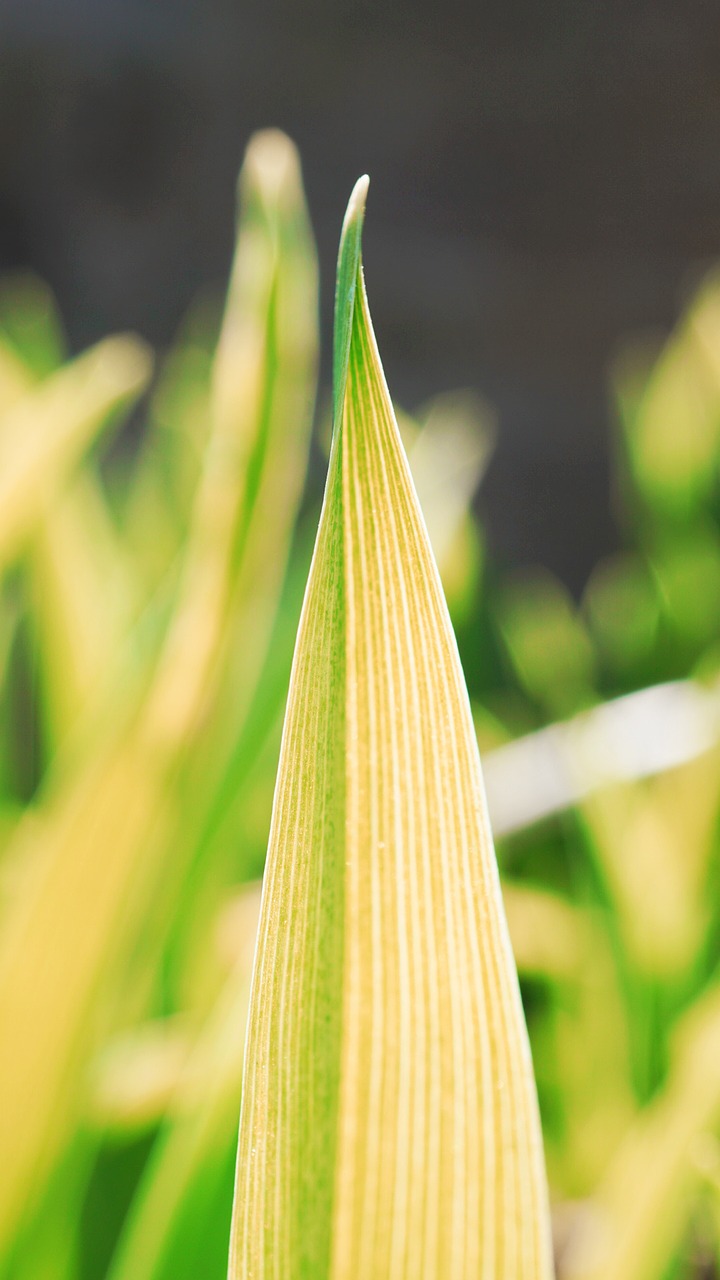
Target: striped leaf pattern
{"x": 389, "y": 1126}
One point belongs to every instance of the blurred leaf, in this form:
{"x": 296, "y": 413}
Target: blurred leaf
{"x": 643, "y": 1204}
{"x": 284, "y": 404}
{"x": 674, "y": 435}
{"x": 590, "y": 1065}
{"x": 179, "y": 1220}
{"x": 160, "y": 489}
{"x": 274, "y": 278}
{"x": 52, "y": 1254}
{"x": 111, "y": 822}
{"x": 547, "y": 642}
{"x": 655, "y": 840}
{"x": 136, "y": 1075}
{"x": 30, "y": 325}
{"x": 15, "y": 378}
{"x": 389, "y": 1122}
{"x": 253, "y": 472}
{"x": 448, "y": 458}
{"x": 44, "y": 435}
{"x": 687, "y": 568}
{"x": 549, "y": 936}
{"x": 622, "y": 605}
{"x": 84, "y": 598}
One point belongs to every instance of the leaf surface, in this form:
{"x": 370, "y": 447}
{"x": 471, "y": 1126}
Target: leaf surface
{"x": 389, "y": 1122}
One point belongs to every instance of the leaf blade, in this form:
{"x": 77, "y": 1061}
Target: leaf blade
{"x": 431, "y": 1132}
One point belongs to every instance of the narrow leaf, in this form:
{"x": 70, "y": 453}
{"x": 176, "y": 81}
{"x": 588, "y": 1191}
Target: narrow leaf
{"x": 389, "y": 1122}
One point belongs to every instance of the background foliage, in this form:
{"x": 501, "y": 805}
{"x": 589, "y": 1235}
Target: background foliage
{"x": 148, "y": 609}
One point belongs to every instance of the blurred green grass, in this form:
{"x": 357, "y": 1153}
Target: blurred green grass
{"x": 148, "y": 608}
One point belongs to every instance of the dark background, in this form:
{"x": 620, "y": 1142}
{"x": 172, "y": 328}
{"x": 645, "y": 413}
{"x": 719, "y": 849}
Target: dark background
{"x": 545, "y": 181}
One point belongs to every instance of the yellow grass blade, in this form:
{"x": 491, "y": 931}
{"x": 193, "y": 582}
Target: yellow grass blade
{"x": 389, "y": 1123}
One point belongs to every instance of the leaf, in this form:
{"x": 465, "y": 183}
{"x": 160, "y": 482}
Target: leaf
{"x": 389, "y": 1121}
{"x": 670, "y": 416}
{"x": 30, "y": 325}
{"x": 84, "y": 598}
{"x": 247, "y": 497}
{"x": 44, "y": 435}
{"x": 263, "y": 390}
{"x": 93, "y": 852}
{"x": 177, "y": 1223}
{"x": 642, "y": 1206}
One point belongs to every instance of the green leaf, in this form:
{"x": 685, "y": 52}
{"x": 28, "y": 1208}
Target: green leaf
{"x": 389, "y": 1123}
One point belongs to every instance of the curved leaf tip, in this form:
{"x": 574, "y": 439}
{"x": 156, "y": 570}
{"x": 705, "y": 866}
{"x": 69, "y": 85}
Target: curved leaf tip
{"x": 348, "y": 268}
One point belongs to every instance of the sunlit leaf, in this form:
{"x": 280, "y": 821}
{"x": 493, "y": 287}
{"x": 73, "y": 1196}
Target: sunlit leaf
{"x": 389, "y": 1122}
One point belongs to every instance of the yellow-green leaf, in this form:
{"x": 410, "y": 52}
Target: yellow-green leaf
{"x": 389, "y": 1122}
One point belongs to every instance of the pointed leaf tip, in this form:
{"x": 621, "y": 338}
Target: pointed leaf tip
{"x": 357, "y": 201}
{"x": 349, "y": 258}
